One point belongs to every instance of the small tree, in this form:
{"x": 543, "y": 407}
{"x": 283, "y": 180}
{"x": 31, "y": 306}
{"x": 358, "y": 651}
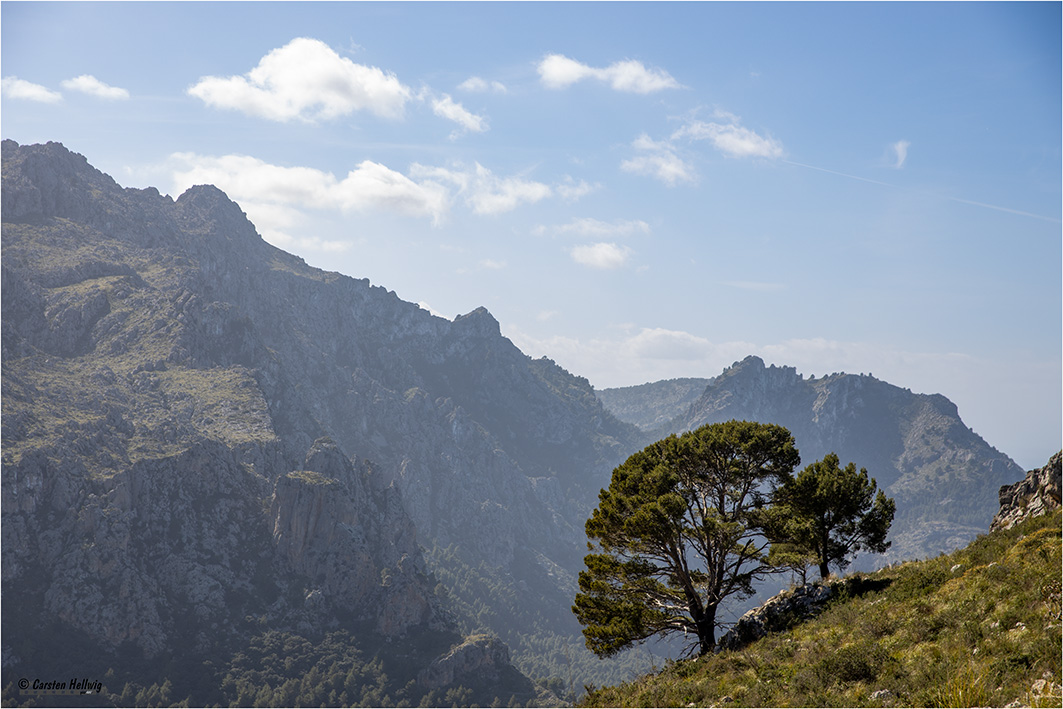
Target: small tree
{"x": 830, "y": 512}
{"x": 677, "y": 534}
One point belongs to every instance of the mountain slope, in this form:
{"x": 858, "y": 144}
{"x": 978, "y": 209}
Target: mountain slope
{"x": 175, "y": 387}
{"x": 978, "y": 627}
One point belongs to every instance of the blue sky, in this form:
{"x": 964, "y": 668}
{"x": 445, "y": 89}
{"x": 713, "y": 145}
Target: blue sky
{"x": 638, "y": 191}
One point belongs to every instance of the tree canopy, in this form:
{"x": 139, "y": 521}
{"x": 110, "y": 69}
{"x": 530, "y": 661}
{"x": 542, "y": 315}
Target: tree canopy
{"x": 827, "y": 513}
{"x": 676, "y": 534}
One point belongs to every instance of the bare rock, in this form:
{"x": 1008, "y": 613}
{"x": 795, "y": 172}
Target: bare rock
{"x": 479, "y": 656}
{"x": 1037, "y": 494}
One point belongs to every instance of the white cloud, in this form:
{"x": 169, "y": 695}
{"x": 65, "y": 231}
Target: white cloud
{"x": 474, "y": 84}
{"x": 900, "y": 152}
{"x": 658, "y": 343}
{"x": 16, "y": 88}
{"x": 308, "y": 81}
{"x": 731, "y": 138}
{"x": 86, "y": 83}
{"x": 557, "y": 71}
{"x": 425, "y": 306}
{"x": 447, "y": 108}
{"x": 492, "y": 264}
{"x": 572, "y": 191}
{"x": 658, "y": 160}
{"x": 484, "y": 191}
{"x": 273, "y": 195}
{"x": 602, "y": 255}
{"x": 586, "y": 226}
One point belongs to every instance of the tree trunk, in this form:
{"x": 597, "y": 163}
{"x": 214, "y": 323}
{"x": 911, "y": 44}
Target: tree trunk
{"x": 706, "y": 626}
{"x": 824, "y": 572}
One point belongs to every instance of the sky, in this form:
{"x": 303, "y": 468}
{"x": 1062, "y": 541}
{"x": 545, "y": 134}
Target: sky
{"x": 639, "y": 191}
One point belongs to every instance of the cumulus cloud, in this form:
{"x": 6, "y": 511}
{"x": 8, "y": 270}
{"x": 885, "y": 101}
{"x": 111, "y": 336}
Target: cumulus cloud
{"x": 306, "y": 80}
{"x": 602, "y": 255}
{"x": 658, "y": 159}
{"x": 474, "y": 84}
{"x": 557, "y": 71}
{"x": 88, "y": 84}
{"x": 449, "y": 109}
{"x": 900, "y": 153}
{"x": 731, "y": 138}
{"x": 16, "y": 88}
{"x": 484, "y": 191}
{"x": 273, "y": 195}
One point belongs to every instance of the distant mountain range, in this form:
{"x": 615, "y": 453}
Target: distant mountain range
{"x": 944, "y": 477}
{"x": 211, "y": 449}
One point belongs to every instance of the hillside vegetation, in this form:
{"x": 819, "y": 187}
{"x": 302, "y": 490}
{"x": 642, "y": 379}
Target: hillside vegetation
{"x": 978, "y": 627}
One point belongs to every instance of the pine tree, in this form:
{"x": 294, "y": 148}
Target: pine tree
{"x": 830, "y": 513}
{"x": 676, "y": 534}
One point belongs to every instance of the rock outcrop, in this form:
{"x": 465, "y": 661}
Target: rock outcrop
{"x": 787, "y": 608}
{"x": 480, "y": 656}
{"x": 1036, "y": 494}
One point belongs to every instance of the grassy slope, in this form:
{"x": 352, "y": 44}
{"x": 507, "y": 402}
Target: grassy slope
{"x": 977, "y": 627}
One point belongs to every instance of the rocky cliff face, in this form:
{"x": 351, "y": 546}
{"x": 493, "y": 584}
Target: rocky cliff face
{"x": 943, "y": 476}
{"x": 165, "y": 373}
{"x": 1036, "y": 494}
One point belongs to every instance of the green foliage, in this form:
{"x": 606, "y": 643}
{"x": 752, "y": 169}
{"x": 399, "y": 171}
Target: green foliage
{"x": 826, "y": 513}
{"x": 677, "y": 534}
{"x": 978, "y": 627}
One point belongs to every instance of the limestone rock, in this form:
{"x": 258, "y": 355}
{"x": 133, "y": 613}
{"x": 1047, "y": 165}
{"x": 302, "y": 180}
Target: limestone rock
{"x": 481, "y": 656}
{"x": 1036, "y": 494}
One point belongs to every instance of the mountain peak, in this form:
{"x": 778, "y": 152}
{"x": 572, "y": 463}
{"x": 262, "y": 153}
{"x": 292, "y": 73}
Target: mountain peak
{"x": 479, "y": 321}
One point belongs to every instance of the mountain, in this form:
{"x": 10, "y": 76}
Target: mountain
{"x": 207, "y": 442}
{"x": 653, "y": 405}
{"x": 943, "y": 476}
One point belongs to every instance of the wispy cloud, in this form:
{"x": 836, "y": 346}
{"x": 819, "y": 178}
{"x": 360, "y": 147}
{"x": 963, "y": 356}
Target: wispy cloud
{"x": 586, "y": 226}
{"x": 16, "y": 88}
{"x": 731, "y": 138}
{"x": 602, "y": 255}
{"x": 88, "y": 84}
{"x": 484, "y": 191}
{"x": 475, "y": 84}
{"x": 306, "y": 80}
{"x": 658, "y": 159}
{"x": 900, "y": 153}
{"x": 448, "y": 108}
{"x": 572, "y": 191}
{"x": 557, "y": 71}
{"x": 636, "y": 355}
